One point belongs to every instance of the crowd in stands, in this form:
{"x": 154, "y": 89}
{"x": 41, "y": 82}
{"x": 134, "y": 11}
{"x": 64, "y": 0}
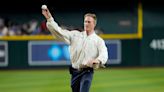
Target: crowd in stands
{"x": 32, "y": 27}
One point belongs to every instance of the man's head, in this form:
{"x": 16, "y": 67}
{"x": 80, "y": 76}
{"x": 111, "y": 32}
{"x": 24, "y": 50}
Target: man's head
{"x": 90, "y": 21}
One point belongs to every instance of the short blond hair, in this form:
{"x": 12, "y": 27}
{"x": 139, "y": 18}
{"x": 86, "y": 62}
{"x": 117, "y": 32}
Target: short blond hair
{"x": 91, "y": 15}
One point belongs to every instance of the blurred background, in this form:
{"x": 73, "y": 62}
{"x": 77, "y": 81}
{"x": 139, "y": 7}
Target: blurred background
{"x": 32, "y": 60}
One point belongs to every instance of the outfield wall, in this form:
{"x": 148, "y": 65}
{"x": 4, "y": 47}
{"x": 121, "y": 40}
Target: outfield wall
{"x": 147, "y": 51}
{"x": 20, "y": 54}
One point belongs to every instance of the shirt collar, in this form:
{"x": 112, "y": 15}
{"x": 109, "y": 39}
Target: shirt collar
{"x": 85, "y": 33}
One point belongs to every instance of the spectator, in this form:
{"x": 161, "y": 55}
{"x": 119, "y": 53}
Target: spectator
{"x": 3, "y": 28}
{"x": 43, "y": 28}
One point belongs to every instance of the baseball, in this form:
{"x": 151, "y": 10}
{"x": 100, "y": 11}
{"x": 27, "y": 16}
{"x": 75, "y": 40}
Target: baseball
{"x": 44, "y": 7}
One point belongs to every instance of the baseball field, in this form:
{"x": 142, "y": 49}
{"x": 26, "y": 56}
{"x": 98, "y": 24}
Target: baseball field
{"x": 105, "y": 80}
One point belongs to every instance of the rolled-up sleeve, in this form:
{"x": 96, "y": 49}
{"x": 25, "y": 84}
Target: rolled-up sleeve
{"x": 57, "y": 31}
{"x": 103, "y": 52}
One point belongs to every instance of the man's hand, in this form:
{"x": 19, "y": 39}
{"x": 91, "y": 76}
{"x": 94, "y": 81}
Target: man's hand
{"x": 94, "y": 63}
{"x": 46, "y": 13}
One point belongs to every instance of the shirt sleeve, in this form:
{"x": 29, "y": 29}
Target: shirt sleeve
{"x": 57, "y": 31}
{"x": 103, "y": 52}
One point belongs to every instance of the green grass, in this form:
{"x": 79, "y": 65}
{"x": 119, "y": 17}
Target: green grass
{"x": 105, "y": 80}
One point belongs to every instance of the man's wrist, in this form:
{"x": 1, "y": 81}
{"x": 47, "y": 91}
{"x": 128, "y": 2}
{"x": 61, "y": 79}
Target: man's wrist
{"x": 50, "y": 19}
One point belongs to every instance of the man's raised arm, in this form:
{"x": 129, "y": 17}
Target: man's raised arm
{"x": 54, "y": 28}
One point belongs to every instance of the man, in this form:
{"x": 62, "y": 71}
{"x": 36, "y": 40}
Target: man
{"x": 87, "y": 50}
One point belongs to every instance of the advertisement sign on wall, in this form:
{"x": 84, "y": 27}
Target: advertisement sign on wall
{"x": 3, "y": 54}
{"x": 57, "y": 53}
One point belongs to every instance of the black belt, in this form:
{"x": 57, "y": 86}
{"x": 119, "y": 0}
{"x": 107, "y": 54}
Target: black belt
{"x": 88, "y": 69}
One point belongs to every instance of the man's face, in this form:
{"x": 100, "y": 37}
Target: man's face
{"x": 89, "y": 24}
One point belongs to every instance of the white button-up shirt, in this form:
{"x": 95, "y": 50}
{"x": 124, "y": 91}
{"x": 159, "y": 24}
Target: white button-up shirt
{"x": 83, "y": 48}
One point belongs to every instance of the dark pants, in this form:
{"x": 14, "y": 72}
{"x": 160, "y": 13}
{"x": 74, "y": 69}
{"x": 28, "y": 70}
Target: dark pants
{"x": 81, "y": 79}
